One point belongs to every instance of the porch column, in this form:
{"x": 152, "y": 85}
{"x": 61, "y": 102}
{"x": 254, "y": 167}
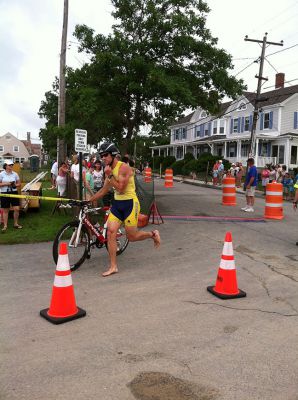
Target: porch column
{"x": 152, "y": 153}
{"x": 257, "y": 152}
{"x": 212, "y": 148}
{"x": 225, "y": 151}
{"x": 167, "y": 151}
{"x": 159, "y": 151}
{"x": 239, "y": 150}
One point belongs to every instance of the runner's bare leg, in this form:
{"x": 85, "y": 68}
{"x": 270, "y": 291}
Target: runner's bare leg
{"x": 113, "y": 227}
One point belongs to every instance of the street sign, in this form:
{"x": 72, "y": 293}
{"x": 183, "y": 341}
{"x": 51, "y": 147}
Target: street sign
{"x": 80, "y": 140}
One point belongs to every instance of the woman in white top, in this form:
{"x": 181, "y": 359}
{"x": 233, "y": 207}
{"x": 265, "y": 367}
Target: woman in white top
{"x": 9, "y": 183}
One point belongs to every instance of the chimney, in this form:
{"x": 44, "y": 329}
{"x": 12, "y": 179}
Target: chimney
{"x": 279, "y": 80}
{"x": 28, "y": 136}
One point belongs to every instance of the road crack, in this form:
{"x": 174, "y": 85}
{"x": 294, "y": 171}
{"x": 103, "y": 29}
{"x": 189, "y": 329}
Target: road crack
{"x": 242, "y": 309}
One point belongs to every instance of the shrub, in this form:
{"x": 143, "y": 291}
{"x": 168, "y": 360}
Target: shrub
{"x": 157, "y": 161}
{"x": 188, "y": 157}
{"x": 167, "y": 162}
{"x": 190, "y": 166}
{"x": 177, "y": 167}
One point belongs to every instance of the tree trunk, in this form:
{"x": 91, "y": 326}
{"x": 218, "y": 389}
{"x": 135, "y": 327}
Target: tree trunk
{"x": 61, "y": 145}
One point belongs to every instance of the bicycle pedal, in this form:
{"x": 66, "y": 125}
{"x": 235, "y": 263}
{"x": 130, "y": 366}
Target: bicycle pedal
{"x": 88, "y": 255}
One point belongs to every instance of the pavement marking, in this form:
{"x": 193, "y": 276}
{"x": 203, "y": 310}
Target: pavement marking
{"x": 207, "y": 218}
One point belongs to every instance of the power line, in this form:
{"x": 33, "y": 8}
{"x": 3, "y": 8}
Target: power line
{"x": 245, "y": 68}
{"x": 271, "y": 65}
{"x": 292, "y": 80}
{"x": 279, "y": 51}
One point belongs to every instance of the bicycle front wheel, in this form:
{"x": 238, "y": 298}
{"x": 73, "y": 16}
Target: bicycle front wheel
{"x": 122, "y": 241}
{"x": 78, "y": 248}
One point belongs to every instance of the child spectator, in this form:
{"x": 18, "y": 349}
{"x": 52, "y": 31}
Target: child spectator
{"x": 265, "y": 178}
{"x": 288, "y": 186}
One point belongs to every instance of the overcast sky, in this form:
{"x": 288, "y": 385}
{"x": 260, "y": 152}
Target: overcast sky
{"x": 30, "y": 40}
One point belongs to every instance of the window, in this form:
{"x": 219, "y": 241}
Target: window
{"x": 274, "y": 151}
{"x": 294, "y": 155}
{"x": 266, "y": 120}
{"x": 7, "y": 137}
{"x": 246, "y": 124}
{"x": 176, "y": 134}
{"x": 244, "y": 150}
{"x": 295, "y": 120}
{"x": 203, "y": 114}
{"x": 1, "y": 148}
{"x": 221, "y": 126}
{"x": 281, "y": 155}
{"x": 215, "y": 127}
{"x": 206, "y": 130}
{"x": 235, "y": 126}
{"x": 16, "y": 148}
{"x": 184, "y": 134}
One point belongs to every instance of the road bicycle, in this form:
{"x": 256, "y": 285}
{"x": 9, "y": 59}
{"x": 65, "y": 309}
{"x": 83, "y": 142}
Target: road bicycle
{"x": 81, "y": 235}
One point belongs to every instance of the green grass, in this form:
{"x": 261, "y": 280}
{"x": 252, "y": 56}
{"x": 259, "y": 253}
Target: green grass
{"x": 38, "y": 224}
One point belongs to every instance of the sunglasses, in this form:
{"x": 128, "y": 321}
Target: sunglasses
{"x": 104, "y": 155}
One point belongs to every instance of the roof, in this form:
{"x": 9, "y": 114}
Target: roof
{"x": 33, "y": 148}
{"x": 210, "y": 138}
{"x": 184, "y": 120}
{"x": 275, "y": 96}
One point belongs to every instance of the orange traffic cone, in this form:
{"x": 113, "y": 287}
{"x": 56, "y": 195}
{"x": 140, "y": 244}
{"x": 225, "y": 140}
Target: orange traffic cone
{"x": 63, "y": 304}
{"x": 226, "y": 283}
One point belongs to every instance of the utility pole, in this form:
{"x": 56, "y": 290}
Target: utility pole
{"x": 258, "y": 98}
{"x": 61, "y": 145}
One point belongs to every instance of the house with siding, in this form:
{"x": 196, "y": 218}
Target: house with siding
{"x": 19, "y": 150}
{"x": 227, "y": 135}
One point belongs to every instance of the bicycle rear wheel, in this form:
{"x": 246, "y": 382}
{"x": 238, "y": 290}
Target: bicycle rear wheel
{"x": 77, "y": 254}
{"x": 122, "y": 241}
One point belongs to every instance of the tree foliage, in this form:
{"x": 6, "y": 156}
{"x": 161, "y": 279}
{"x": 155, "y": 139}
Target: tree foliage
{"x": 159, "y": 61}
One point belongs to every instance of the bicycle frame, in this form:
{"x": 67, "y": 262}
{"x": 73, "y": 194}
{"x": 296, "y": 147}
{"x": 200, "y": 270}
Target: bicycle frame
{"x": 100, "y": 235}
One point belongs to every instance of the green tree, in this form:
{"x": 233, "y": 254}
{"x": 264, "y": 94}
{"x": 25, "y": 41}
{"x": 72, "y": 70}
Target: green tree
{"x": 159, "y": 61}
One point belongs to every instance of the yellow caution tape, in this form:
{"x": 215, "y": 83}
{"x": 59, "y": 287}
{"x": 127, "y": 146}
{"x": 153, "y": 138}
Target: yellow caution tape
{"x": 28, "y": 197}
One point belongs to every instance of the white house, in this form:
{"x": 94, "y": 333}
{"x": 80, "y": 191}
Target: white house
{"x": 228, "y": 134}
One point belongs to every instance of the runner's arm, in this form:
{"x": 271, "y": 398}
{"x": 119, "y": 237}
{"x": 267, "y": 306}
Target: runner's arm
{"x": 123, "y": 178}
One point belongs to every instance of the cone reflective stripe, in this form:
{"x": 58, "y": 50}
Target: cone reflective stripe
{"x": 226, "y": 283}
{"x": 63, "y": 306}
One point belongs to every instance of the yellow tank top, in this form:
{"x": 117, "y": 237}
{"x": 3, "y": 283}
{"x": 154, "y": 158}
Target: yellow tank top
{"x": 130, "y": 190}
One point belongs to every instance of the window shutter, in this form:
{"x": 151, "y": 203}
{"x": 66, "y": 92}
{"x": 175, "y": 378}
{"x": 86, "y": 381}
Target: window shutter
{"x": 261, "y": 121}
{"x": 202, "y": 130}
{"x": 250, "y": 122}
{"x": 270, "y": 119}
{"x": 209, "y": 129}
{"x": 295, "y": 120}
{"x": 231, "y": 127}
{"x": 239, "y": 125}
{"x": 268, "y": 149}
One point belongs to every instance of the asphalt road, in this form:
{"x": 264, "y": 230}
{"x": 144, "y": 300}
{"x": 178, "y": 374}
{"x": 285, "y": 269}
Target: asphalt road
{"x": 153, "y": 332}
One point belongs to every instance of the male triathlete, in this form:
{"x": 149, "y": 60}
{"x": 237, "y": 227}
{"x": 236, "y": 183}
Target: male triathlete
{"x": 125, "y": 207}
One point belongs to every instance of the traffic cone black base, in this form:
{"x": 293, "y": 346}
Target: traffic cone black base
{"x": 226, "y": 296}
{"x": 56, "y": 320}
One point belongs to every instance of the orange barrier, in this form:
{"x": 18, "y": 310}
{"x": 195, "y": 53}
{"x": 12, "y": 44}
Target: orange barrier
{"x": 274, "y": 201}
{"x": 142, "y": 220}
{"x": 168, "y": 178}
{"x": 228, "y": 192}
{"x": 226, "y": 283}
{"x": 63, "y": 306}
{"x": 148, "y": 175}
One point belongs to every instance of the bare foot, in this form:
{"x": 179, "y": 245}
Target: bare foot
{"x": 156, "y": 238}
{"x": 110, "y": 271}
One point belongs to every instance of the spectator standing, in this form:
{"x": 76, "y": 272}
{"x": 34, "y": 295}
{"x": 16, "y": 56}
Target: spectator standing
{"x": 97, "y": 176}
{"x": 9, "y": 184}
{"x": 220, "y": 171}
{"x": 239, "y": 174}
{"x": 215, "y": 173}
{"x": 250, "y": 184}
{"x": 89, "y": 183}
{"x": 272, "y": 173}
{"x": 75, "y": 173}
{"x": 54, "y": 174}
{"x": 61, "y": 179}
{"x": 265, "y": 178}
{"x": 288, "y": 186}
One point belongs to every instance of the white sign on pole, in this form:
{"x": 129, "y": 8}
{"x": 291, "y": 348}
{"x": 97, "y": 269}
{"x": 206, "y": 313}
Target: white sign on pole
{"x": 80, "y": 140}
